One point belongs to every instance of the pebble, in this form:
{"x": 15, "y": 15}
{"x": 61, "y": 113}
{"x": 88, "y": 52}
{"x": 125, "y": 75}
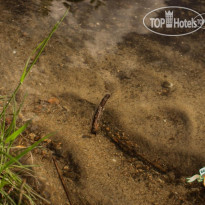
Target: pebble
{"x": 166, "y": 84}
{"x": 66, "y": 167}
{"x": 54, "y": 100}
{"x": 32, "y": 136}
{"x": 47, "y": 141}
{"x": 37, "y": 138}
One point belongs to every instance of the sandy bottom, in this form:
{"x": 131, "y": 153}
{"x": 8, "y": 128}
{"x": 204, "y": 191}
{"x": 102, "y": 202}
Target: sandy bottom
{"x": 151, "y": 135}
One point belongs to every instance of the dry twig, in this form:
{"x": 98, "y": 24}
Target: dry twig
{"x": 62, "y": 180}
{"x": 21, "y": 191}
{"x": 98, "y": 114}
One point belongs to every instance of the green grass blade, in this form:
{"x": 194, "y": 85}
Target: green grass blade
{"x": 27, "y": 69}
{"x": 6, "y": 196}
{"x": 27, "y": 62}
{"x": 15, "y": 134}
{"x": 44, "y": 43}
{"x": 11, "y": 158}
{"x": 12, "y": 161}
{"x": 10, "y": 166}
{"x": 3, "y": 183}
{"x": 11, "y": 127}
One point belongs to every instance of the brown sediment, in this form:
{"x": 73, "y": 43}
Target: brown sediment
{"x": 131, "y": 148}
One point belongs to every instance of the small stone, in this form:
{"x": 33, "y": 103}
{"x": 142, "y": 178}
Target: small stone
{"x": 114, "y": 160}
{"x": 107, "y": 128}
{"x": 160, "y": 181}
{"x": 32, "y": 136}
{"x": 166, "y": 84}
{"x": 37, "y": 138}
{"x": 25, "y": 34}
{"x": 44, "y": 152}
{"x": 66, "y": 167}
{"x": 47, "y": 141}
{"x": 54, "y": 100}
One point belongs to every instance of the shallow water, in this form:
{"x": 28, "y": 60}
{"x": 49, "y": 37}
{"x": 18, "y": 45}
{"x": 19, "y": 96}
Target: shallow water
{"x": 103, "y": 47}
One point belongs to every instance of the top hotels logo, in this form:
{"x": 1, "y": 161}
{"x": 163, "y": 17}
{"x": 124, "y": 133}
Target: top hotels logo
{"x": 173, "y": 21}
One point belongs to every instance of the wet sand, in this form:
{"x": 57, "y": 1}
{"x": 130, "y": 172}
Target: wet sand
{"x": 157, "y": 99}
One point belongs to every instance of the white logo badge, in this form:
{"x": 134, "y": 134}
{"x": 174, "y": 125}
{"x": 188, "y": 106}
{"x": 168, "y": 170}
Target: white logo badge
{"x": 173, "y": 21}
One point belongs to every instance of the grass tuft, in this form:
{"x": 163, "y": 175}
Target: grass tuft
{"x": 13, "y": 189}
